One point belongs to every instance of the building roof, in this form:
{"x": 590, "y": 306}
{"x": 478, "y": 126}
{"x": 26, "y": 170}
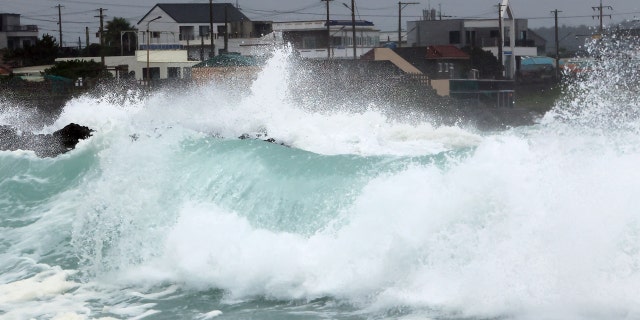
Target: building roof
{"x": 350, "y": 22}
{"x": 445, "y": 52}
{"x": 199, "y": 12}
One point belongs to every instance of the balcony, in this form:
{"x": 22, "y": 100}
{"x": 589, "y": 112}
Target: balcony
{"x": 25, "y": 28}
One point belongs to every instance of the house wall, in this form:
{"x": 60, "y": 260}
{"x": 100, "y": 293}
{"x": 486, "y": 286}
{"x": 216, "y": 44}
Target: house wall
{"x": 482, "y": 33}
{"x": 431, "y": 32}
{"x": 161, "y": 59}
{"x": 389, "y": 55}
{"x": 445, "y": 68}
{"x": 13, "y": 35}
{"x": 441, "y": 86}
{"x": 3, "y": 40}
{"x": 167, "y": 31}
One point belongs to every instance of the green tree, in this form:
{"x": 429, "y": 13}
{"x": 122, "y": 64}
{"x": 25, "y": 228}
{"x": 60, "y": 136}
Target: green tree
{"x": 484, "y": 61}
{"x": 45, "y": 51}
{"x": 74, "y": 69}
{"x": 113, "y": 34}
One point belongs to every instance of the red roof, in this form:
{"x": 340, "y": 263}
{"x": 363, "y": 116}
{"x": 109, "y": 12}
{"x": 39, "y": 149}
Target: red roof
{"x": 445, "y": 52}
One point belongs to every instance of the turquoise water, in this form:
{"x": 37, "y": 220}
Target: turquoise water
{"x": 165, "y": 214}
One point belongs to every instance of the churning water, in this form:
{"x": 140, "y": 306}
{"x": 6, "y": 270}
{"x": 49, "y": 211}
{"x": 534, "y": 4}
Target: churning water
{"x": 165, "y": 214}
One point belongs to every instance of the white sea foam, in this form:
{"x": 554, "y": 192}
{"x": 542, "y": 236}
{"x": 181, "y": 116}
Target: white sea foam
{"x": 535, "y": 223}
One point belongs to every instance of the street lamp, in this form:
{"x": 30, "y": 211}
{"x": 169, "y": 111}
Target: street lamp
{"x": 148, "y": 43}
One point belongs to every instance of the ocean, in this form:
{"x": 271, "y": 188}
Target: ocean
{"x": 164, "y": 213}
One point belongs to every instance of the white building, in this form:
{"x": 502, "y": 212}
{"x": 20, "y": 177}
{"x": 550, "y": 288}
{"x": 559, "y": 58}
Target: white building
{"x": 163, "y": 64}
{"x": 188, "y": 26}
{"x": 310, "y": 37}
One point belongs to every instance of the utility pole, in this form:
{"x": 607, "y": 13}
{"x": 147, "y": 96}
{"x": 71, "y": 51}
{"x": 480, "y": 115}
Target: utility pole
{"x": 328, "y": 31}
{"x": 402, "y": 5}
{"x": 101, "y": 33}
{"x": 500, "y": 41}
{"x": 213, "y": 46}
{"x": 59, "y": 23}
{"x": 353, "y": 26}
{"x": 555, "y": 13}
{"x": 86, "y": 44}
{"x": 226, "y": 29}
{"x": 601, "y": 14}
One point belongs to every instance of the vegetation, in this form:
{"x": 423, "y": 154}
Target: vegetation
{"x": 112, "y": 37}
{"x": 537, "y": 97}
{"x": 77, "y": 69}
{"x": 43, "y": 52}
{"x": 483, "y": 61}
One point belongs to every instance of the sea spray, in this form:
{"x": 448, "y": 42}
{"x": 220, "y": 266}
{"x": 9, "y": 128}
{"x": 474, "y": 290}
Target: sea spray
{"x": 164, "y": 212}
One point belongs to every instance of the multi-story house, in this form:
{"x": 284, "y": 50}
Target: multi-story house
{"x": 484, "y": 33}
{"x": 188, "y": 26}
{"x": 14, "y": 35}
{"x": 311, "y": 40}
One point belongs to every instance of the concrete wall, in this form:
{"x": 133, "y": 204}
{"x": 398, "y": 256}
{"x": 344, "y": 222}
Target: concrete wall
{"x": 441, "y": 86}
{"x": 389, "y": 55}
{"x": 431, "y": 32}
{"x": 162, "y": 59}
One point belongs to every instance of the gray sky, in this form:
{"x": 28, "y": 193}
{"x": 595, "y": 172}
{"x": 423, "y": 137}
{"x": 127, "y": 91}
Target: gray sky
{"x": 78, "y": 14}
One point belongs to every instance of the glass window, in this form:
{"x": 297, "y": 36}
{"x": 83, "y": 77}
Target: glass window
{"x": 454, "y": 37}
{"x": 154, "y": 73}
{"x": 173, "y": 72}
{"x": 309, "y": 43}
{"x": 203, "y": 31}
{"x": 186, "y": 33}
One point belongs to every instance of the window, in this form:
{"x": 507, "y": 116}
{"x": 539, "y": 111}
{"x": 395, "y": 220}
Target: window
{"x": 309, "y": 43}
{"x": 186, "y": 33}
{"x": 154, "y": 73}
{"x": 222, "y": 30}
{"x": 203, "y": 31}
{"x": 470, "y": 37}
{"x": 494, "y": 33}
{"x": 454, "y": 37}
{"x": 173, "y": 72}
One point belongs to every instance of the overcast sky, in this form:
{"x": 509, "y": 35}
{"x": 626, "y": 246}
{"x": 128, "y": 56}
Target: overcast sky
{"x": 78, "y": 14}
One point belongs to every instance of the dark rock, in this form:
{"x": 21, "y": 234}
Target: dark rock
{"x": 262, "y": 137}
{"x": 44, "y": 145}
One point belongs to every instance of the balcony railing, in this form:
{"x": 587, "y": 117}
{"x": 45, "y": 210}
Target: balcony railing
{"x": 25, "y": 28}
